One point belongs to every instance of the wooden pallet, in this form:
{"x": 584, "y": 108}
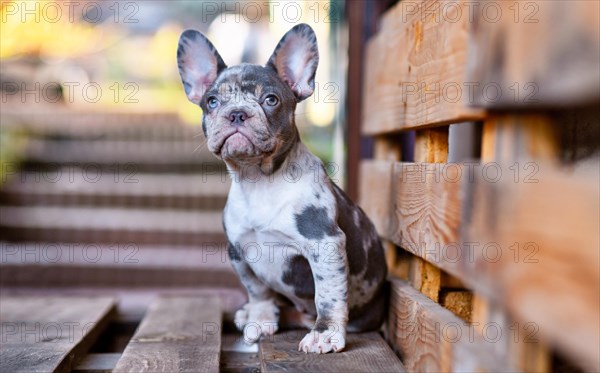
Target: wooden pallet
{"x": 176, "y": 334}
{"x": 488, "y": 208}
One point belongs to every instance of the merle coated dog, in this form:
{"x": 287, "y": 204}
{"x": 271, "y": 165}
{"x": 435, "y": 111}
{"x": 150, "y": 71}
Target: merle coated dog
{"x": 305, "y": 253}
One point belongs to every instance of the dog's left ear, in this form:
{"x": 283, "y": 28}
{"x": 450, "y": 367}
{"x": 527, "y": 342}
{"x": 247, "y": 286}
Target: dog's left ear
{"x": 295, "y": 60}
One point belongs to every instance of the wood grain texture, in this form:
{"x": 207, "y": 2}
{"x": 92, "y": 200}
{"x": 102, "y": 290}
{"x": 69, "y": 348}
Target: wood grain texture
{"x": 376, "y": 192}
{"x": 458, "y": 302}
{"x": 427, "y": 210}
{"x": 425, "y": 277}
{"x": 49, "y": 334}
{"x": 98, "y": 363}
{"x": 176, "y": 335}
{"x": 553, "y": 218}
{"x": 561, "y": 70}
{"x": 547, "y": 273}
{"x": 432, "y": 339}
{"x": 415, "y": 69}
{"x": 431, "y": 145}
{"x": 365, "y": 352}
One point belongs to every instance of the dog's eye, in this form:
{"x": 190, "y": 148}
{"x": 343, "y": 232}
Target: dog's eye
{"x": 271, "y": 100}
{"x": 212, "y": 102}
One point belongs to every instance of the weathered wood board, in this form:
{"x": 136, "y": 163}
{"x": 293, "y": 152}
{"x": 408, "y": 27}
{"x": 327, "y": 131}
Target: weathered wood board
{"x": 364, "y": 352}
{"x": 432, "y": 339}
{"x": 176, "y": 335}
{"x": 548, "y": 220}
{"x": 415, "y": 70}
{"x": 559, "y": 40}
{"x": 538, "y": 255}
{"x": 427, "y": 207}
{"x": 376, "y": 191}
{"x": 48, "y": 334}
{"x": 98, "y": 363}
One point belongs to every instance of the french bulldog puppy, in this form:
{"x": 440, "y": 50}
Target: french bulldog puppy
{"x": 295, "y": 238}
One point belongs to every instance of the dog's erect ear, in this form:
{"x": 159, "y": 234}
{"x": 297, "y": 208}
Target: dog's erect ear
{"x": 199, "y": 63}
{"x": 296, "y": 58}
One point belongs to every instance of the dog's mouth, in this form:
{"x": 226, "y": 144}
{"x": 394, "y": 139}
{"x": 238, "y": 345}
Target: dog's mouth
{"x": 237, "y": 144}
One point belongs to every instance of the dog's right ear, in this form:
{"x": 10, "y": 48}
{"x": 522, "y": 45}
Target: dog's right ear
{"x": 199, "y": 64}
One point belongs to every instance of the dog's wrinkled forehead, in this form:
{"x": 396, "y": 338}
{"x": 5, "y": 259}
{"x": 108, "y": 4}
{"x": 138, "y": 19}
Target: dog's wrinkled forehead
{"x": 252, "y": 81}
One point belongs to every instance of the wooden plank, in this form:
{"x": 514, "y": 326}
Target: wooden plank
{"x": 94, "y": 153}
{"x": 70, "y": 186}
{"x": 54, "y": 119}
{"x": 505, "y": 213}
{"x": 520, "y": 137}
{"x": 432, "y": 339}
{"x": 561, "y": 71}
{"x": 458, "y": 302}
{"x": 96, "y": 276}
{"x": 376, "y": 192}
{"x": 238, "y": 356}
{"x": 425, "y": 277}
{"x": 523, "y": 349}
{"x": 427, "y": 207}
{"x": 413, "y": 217}
{"x": 49, "y": 334}
{"x": 177, "y": 335}
{"x": 365, "y": 352}
{"x": 415, "y": 69}
{"x": 546, "y": 232}
{"x": 98, "y": 363}
{"x": 111, "y": 225}
{"x": 431, "y": 145}
{"x": 107, "y": 218}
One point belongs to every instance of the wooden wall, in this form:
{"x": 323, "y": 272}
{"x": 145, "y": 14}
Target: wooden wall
{"x": 494, "y": 257}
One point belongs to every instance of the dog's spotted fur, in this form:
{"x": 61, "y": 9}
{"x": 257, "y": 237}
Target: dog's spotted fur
{"x": 294, "y": 236}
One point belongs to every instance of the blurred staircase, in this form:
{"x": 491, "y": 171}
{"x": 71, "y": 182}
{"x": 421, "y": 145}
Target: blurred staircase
{"x": 111, "y": 203}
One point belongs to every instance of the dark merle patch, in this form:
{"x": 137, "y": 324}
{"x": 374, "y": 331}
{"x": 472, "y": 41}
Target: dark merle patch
{"x": 319, "y": 277}
{"x": 321, "y": 325}
{"x": 314, "y": 223}
{"x": 354, "y": 234}
{"x": 324, "y": 319}
{"x": 234, "y": 252}
{"x": 370, "y": 315}
{"x": 299, "y": 276}
{"x": 325, "y": 307}
{"x": 376, "y": 269}
{"x": 376, "y": 266}
{"x": 204, "y": 128}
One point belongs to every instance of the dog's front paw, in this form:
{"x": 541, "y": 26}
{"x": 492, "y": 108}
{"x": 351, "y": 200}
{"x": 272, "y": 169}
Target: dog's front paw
{"x": 256, "y": 319}
{"x": 323, "y": 342}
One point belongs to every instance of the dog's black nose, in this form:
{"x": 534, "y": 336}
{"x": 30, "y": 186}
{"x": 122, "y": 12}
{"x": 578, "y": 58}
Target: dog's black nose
{"x": 237, "y": 117}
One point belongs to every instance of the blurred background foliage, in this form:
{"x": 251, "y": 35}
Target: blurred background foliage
{"x": 120, "y": 56}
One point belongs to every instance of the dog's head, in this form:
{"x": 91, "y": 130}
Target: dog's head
{"x": 249, "y": 109}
